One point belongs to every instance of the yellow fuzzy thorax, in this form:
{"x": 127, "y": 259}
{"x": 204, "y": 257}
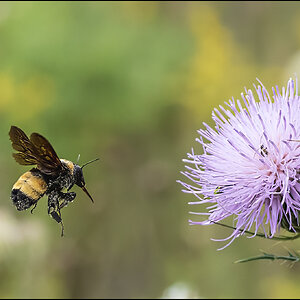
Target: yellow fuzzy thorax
{"x": 69, "y": 164}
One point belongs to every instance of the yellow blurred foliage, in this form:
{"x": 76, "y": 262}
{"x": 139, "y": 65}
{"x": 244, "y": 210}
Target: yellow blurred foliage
{"x": 217, "y": 69}
{"x": 280, "y": 287}
{"x": 7, "y": 91}
{"x": 24, "y": 99}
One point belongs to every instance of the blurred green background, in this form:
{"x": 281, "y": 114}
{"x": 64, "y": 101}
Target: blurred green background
{"x": 131, "y": 82}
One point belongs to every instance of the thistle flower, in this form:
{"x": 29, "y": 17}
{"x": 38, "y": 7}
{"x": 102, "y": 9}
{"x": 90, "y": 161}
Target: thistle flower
{"x": 250, "y": 166}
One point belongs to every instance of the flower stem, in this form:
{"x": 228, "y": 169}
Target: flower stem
{"x": 278, "y": 238}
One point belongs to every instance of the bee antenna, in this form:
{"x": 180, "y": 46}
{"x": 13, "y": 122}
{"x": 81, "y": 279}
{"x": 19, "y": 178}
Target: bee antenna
{"x": 89, "y": 162}
{"x": 78, "y": 158}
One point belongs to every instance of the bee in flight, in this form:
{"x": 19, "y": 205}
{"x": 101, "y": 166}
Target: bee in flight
{"x": 50, "y": 176}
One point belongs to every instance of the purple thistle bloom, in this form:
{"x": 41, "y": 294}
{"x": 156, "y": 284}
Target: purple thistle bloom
{"x": 250, "y": 166}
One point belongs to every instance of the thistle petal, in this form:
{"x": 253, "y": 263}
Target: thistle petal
{"x": 250, "y": 165}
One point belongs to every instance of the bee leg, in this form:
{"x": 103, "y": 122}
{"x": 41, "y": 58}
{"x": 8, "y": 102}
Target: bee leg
{"x": 33, "y": 207}
{"x": 58, "y": 219}
{"x": 54, "y": 210}
{"x": 67, "y": 197}
{"x": 62, "y": 229}
{"x": 52, "y": 200}
{"x": 59, "y": 214}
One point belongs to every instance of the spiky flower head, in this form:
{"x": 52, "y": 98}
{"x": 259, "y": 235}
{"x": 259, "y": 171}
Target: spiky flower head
{"x": 250, "y": 165}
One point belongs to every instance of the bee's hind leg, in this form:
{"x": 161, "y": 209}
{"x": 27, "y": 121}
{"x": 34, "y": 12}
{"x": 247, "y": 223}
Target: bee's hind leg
{"x": 58, "y": 219}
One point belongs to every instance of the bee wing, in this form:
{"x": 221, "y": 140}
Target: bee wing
{"x": 21, "y": 143}
{"x": 34, "y": 151}
{"x": 47, "y": 159}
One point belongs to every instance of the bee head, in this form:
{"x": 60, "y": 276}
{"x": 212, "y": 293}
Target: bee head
{"x": 79, "y": 179}
{"x": 78, "y": 176}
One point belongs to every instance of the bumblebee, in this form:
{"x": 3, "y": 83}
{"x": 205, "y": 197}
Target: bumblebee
{"x": 50, "y": 176}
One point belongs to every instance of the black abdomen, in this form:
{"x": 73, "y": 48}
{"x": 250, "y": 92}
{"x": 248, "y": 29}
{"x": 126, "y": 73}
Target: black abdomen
{"x": 20, "y": 200}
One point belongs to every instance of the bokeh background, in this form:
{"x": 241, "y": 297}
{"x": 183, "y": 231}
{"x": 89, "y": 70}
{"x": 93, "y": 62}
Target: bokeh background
{"x": 131, "y": 82}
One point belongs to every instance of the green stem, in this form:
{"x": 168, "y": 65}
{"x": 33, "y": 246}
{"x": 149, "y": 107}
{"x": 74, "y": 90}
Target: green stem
{"x": 270, "y": 257}
{"x": 280, "y": 237}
